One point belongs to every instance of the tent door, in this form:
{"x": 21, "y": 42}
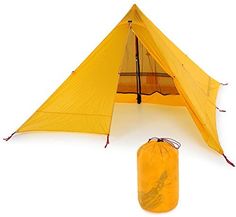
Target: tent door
{"x": 140, "y": 73}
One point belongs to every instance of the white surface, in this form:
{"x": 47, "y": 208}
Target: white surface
{"x": 66, "y": 174}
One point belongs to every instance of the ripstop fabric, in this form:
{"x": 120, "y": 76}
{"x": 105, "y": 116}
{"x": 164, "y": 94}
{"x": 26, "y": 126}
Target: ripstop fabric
{"x": 85, "y": 100}
{"x": 158, "y": 176}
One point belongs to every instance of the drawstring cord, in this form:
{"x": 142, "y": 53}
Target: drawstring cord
{"x": 175, "y": 144}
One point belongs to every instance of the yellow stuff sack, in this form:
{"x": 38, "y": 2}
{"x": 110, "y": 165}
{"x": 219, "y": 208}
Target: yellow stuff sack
{"x": 158, "y": 178}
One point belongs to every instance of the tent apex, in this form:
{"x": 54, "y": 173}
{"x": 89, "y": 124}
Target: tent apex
{"x": 134, "y": 6}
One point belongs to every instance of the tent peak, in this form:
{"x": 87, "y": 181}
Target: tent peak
{"x": 133, "y": 15}
{"x": 134, "y": 7}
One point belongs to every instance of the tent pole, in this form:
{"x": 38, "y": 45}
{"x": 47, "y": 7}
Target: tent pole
{"x": 138, "y": 80}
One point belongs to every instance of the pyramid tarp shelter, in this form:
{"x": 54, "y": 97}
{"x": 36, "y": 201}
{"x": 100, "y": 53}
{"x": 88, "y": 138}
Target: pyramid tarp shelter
{"x": 136, "y": 62}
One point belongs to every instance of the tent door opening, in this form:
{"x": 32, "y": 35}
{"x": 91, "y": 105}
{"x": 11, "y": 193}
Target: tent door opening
{"x": 140, "y": 74}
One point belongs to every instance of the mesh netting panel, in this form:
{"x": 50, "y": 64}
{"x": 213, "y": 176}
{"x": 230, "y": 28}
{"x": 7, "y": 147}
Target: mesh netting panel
{"x": 152, "y": 76}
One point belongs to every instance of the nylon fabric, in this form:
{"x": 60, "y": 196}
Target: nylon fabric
{"x": 158, "y": 176}
{"x": 85, "y": 101}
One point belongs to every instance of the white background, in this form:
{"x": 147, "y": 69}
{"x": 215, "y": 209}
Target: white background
{"x": 71, "y": 174}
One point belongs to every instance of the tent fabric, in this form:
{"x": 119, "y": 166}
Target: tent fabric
{"x": 85, "y": 101}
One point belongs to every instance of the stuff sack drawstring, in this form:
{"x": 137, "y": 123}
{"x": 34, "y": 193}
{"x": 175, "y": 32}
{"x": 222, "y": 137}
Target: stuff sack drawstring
{"x": 170, "y": 141}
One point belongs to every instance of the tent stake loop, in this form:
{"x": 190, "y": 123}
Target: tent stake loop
{"x": 224, "y": 84}
{"x": 107, "y": 141}
{"x": 220, "y": 110}
{"x": 228, "y": 161}
{"x": 6, "y": 139}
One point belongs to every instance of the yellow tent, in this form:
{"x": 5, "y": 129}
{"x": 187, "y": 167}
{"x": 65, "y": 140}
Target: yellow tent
{"x": 136, "y": 61}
